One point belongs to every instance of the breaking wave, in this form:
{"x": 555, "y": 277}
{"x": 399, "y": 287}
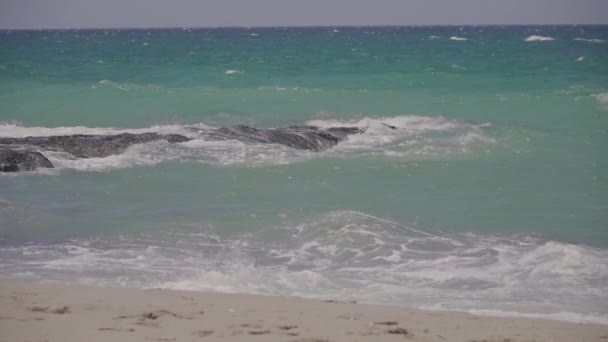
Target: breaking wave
{"x": 345, "y": 255}
{"x": 405, "y": 137}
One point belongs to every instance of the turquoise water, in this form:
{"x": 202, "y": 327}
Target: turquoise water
{"x": 491, "y": 197}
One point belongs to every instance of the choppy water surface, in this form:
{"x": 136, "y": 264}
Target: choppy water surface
{"x": 490, "y": 196}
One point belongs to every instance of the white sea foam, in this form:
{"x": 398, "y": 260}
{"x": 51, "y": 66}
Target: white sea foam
{"x": 137, "y": 155}
{"x": 458, "y": 38}
{"x": 105, "y": 84}
{"x": 601, "y": 98}
{"x": 580, "y": 59}
{"x": 590, "y": 40}
{"x": 232, "y": 72}
{"x": 344, "y": 255}
{"x": 535, "y": 38}
{"x": 18, "y": 131}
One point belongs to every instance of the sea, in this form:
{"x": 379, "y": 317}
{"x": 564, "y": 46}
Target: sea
{"x": 490, "y": 197}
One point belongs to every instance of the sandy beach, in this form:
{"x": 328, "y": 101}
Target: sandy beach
{"x": 42, "y": 312}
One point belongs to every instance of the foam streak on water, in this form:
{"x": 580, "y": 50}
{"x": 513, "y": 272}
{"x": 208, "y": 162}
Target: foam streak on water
{"x": 342, "y": 255}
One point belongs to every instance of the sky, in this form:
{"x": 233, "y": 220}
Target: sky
{"x": 37, "y": 14}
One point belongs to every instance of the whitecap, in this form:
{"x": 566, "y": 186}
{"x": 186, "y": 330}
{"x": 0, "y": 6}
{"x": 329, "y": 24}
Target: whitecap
{"x": 535, "y": 38}
{"x": 590, "y": 40}
{"x": 580, "y": 59}
{"x": 458, "y": 38}
{"x": 232, "y": 72}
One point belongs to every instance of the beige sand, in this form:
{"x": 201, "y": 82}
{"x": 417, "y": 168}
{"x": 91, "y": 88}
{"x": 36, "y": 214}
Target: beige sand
{"x": 34, "y": 312}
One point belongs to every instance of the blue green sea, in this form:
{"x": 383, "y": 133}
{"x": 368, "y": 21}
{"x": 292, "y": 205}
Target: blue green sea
{"x": 491, "y": 196}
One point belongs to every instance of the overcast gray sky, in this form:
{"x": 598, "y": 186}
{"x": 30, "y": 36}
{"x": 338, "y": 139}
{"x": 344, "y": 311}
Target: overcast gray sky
{"x": 188, "y": 13}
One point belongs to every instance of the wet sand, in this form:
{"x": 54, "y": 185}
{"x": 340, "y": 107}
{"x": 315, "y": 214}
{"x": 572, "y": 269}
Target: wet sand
{"x": 42, "y": 312}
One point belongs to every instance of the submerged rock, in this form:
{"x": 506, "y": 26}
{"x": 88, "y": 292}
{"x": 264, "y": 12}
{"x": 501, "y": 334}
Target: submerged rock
{"x": 17, "y": 161}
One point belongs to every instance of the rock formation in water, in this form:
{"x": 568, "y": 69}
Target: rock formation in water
{"x": 17, "y": 161}
{"x": 91, "y": 146}
{"x": 299, "y": 137}
{"x": 16, "y": 154}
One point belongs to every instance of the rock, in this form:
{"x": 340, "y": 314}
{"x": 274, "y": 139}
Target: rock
{"x": 16, "y": 160}
{"x": 299, "y": 137}
{"x": 92, "y": 146}
{"x": 16, "y": 153}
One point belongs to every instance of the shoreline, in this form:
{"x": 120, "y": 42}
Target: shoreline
{"x": 53, "y": 312}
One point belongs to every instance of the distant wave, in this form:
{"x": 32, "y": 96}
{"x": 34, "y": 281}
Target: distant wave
{"x": 107, "y": 84}
{"x": 458, "y": 38}
{"x": 232, "y": 72}
{"x": 601, "y": 98}
{"x": 590, "y": 40}
{"x": 539, "y": 39}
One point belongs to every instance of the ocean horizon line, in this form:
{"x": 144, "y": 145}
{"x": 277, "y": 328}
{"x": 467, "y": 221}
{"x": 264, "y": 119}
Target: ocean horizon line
{"x": 251, "y": 27}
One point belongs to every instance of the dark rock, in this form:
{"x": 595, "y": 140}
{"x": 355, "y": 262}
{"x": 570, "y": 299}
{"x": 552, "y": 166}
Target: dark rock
{"x": 390, "y": 126}
{"x": 16, "y": 153}
{"x": 299, "y": 137}
{"x": 16, "y": 160}
{"x": 91, "y": 146}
